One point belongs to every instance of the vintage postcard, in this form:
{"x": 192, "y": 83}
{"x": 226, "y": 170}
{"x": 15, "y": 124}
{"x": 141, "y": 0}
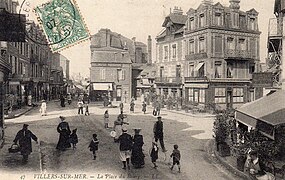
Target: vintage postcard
{"x": 142, "y": 89}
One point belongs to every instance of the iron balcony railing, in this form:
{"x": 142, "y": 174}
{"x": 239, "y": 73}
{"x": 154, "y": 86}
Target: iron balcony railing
{"x": 177, "y": 80}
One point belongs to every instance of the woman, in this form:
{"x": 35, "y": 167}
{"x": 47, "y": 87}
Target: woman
{"x": 62, "y": 101}
{"x": 118, "y": 126}
{"x": 144, "y": 107}
{"x": 132, "y": 106}
{"x": 137, "y": 158}
{"x": 64, "y": 132}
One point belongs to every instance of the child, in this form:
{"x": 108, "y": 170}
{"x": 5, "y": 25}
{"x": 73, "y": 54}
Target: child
{"x": 106, "y": 119}
{"x": 73, "y": 138}
{"x": 176, "y": 157}
{"x": 86, "y": 109}
{"x": 80, "y": 106}
{"x": 154, "y": 153}
{"x": 43, "y": 108}
{"x": 94, "y": 145}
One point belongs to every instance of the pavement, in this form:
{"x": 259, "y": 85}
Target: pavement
{"x": 192, "y": 134}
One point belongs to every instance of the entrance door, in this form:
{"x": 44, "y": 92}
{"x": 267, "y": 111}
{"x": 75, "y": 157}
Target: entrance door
{"x": 229, "y": 98}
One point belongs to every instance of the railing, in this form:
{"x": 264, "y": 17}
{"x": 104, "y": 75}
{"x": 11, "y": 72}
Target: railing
{"x": 196, "y": 56}
{"x": 230, "y": 53}
{"x": 177, "y": 80}
{"x": 204, "y": 78}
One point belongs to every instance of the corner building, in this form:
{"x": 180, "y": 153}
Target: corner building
{"x": 222, "y": 51}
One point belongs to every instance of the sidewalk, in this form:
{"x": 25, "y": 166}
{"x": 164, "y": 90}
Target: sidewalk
{"x": 18, "y": 112}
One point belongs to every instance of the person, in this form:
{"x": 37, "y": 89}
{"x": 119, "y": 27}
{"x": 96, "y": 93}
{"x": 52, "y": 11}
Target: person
{"x": 118, "y": 126}
{"x": 137, "y": 158}
{"x": 121, "y": 106}
{"x": 93, "y": 146}
{"x": 69, "y": 98}
{"x": 132, "y": 106}
{"x": 106, "y": 119}
{"x": 24, "y": 137}
{"x": 154, "y": 113}
{"x": 86, "y": 108}
{"x": 126, "y": 144}
{"x": 158, "y": 132}
{"x": 175, "y": 157}
{"x": 43, "y": 109}
{"x": 144, "y": 107}
{"x": 64, "y": 132}
{"x": 80, "y": 106}
{"x": 73, "y": 138}
{"x": 158, "y": 107}
{"x": 154, "y": 153}
{"x": 253, "y": 166}
{"x": 62, "y": 101}
{"x": 29, "y": 100}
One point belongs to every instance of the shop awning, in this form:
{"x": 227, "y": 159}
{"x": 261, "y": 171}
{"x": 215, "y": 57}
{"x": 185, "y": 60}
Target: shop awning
{"x": 102, "y": 86}
{"x": 199, "y": 66}
{"x": 269, "y": 109}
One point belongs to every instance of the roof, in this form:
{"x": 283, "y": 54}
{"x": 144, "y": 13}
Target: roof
{"x": 269, "y": 109}
{"x": 147, "y": 71}
{"x": 175, "y": 19}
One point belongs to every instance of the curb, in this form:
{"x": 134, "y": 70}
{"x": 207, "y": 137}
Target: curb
{"x": 20, "y": 114}
{"x": 190, "y": 114}
{"x": 230, "y": 167}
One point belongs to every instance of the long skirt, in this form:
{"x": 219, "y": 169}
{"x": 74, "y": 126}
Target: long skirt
{"x": 63, "y": 141}
{"x": 137, "y": 158}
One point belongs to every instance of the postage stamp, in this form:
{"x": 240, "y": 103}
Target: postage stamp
{"x": 62, "y": 23}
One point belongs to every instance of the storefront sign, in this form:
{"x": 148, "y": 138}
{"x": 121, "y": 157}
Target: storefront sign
{"x": 204, "y": 86}
{"x": 262, "y": 79}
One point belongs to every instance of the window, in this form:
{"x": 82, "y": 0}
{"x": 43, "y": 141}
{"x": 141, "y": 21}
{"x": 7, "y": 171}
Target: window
{"x": 201, "y": 20}
{"x": 165, "y": 52}
{"x": 102, "y": 74}
{"x": 191, "y": 70}
{"x": 242, "y": 44}
{"x": 218, "y": 44}
{"x": 202, "y": 45}
{"x": 218, "y": 69}
{"x": 24, "y": 69}
{"x": 120, "y": 74}
{"x": 202, "y": 96}
{"x": 242, "y": 22}
{"x": 174, "y": 50}
{"x": 238, "y": 95}
{"x": 231, "y": 43}
{"x": 201, "y": 71}
{"x": 119, "y": 92}
{"x": 191, "y": 46}
{"x": 191, "y": 95}
{"x": 230, "y": 68}
{"x": 192, "y": 25}
{"x": 220, "y": 95}
{"x": 252, "y": 23}
{"x": 218, "y": 19}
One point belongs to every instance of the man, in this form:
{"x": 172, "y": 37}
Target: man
{"x": 24, "y": 137}
{"x": 126, "y": 144}
{"x": 158, "y": 132}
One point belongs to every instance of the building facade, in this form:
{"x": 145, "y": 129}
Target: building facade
{"x": 64, "y": 63}
{"x": 56, "y": 77}
{"x": 111, "y": 70}
{"x": 219, "y": 53}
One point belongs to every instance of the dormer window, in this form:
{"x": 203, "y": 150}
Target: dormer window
{"x": 218, "y": 19}
{"x": 252, "y": 23}
{"x": 202, "y": 20}
{"x": 192, "y": 25}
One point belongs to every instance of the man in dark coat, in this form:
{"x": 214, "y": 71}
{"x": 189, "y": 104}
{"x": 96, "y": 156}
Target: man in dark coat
{"x": 24, "y": 137}
{"x": 158, "y": 132}
{"x": 62, "y": 101}
{"x": 64, "y": 132}
{"x": 126, "y": 143}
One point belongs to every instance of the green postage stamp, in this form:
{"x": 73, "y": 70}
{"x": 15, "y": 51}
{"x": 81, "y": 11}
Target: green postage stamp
{"x": 62, "y": 23}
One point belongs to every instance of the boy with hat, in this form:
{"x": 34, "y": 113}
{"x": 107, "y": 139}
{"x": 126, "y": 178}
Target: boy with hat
{"x": 126, "y": 143}
{"x": 154, "y": 153}
{"x": 176, "y": 157}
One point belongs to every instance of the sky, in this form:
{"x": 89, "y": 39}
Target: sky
{"x": 140, "y": 18}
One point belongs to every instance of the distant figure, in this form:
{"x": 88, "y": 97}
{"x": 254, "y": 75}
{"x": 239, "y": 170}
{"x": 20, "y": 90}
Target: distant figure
{"x": 64, "y": 132}
{"x": 175, "y": 157}
{"x": 24, "y": 137}
{"x": 106, "y": 119}
{"x": 154, "y": 153}
{"x": 86, "y": 103}
{"x": 132, "y": 106}
{"x": 43, "y": 108}
{"x": 73, "y": 138}
{"x": 29, "y": 100}
{"x": 80, "y": 106}
{"x": 69, "y": 98}
{"x": 62, "y": 101}
{"x": 93, "y": 146}
{"x": 121, "y": 107}
{"x": 144, "y": 107}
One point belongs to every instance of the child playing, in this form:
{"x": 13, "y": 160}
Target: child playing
{"x": 94, "y": 145}
{"x": 80, "y": 106}
{"x": 154, "y": 153}
{"x": 106, "y": 119}
{"x": 176, "y": 157}
{"x": 73, "y": 138}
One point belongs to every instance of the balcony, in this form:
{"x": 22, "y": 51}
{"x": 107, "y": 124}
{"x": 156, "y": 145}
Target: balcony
{"x": 199, "y": 79}
{"x": 196, "y": 56}
{"x": 234, "y": 54}
{"x": 168, "y": 80}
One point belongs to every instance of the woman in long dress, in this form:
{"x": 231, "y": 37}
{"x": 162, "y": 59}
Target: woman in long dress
{"x": 137, "y": 158}
{"x": 64, "y": 132}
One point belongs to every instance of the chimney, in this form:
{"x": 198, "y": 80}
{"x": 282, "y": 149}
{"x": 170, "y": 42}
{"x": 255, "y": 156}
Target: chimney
{"x": 177, "y": 11}
{"x": 134, "y": 39}
{"x": 234, "y": 4}
{"x": 108, "y": 38}
{"x": 149, "y": 50}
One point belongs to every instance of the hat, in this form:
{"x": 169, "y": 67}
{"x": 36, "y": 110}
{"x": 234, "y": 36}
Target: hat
{"x": 62, "y": 118}
{"x": 137, "y": 130}
{"x": 158, "y": 117}
{"x": 25, "y": 125}
{"x": 124, "y": 129}
{"x": 43, "y": 100}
